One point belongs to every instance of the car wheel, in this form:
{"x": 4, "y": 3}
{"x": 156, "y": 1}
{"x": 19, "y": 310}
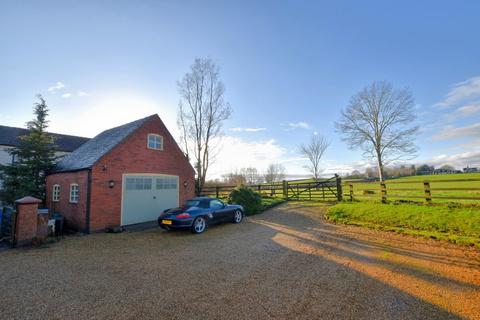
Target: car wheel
{"x": 237, "y": 216}
{"x": 199, "y": 225}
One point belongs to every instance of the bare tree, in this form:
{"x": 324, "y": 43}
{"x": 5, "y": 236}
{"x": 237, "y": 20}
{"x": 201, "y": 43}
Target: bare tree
{"x": 251, "y": 175}
{"x": 378, "y": 120}
{"x": 202, "y": 111}
{"x": 314, "y": 151}
{"x": 235, "y": 178}
{"x": 275, "y": 172}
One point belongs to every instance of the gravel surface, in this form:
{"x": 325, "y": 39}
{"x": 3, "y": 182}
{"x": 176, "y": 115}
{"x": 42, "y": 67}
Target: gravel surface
{"x": 287, "y": 263}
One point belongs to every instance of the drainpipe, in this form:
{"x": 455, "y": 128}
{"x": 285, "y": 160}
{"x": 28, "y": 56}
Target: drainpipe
{"x": 89, "y": 193}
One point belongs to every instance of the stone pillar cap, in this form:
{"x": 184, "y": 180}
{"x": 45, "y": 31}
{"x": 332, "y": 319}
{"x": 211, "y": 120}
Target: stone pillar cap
{"x": 28, "y": 200}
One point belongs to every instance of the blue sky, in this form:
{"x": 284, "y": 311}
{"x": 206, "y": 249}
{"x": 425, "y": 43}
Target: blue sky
{"x": 288, "y": 67}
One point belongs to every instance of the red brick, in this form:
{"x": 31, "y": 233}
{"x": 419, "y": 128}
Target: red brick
{"x": 26, "y": 224}
{"x": 74, "y": 213}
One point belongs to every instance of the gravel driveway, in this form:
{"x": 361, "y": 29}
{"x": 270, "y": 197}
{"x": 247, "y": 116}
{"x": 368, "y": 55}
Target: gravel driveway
{"x": 287, "y": 263}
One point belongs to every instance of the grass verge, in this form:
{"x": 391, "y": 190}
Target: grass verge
{"x": 268, "y": 203}
{"x": 457, "y": 224}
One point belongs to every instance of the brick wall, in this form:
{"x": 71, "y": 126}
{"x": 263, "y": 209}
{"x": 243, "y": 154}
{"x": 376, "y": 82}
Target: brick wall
{"x": 133, "y": 156}
{"x": 74, "y": 213}
{"x": 30, "y": 227}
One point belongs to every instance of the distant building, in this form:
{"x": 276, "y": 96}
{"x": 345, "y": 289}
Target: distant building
{"x": 425, "y": 170}
{"x": 470, "y": 170}
{"x": 446, "y": 171}
{"x": 9, "y": 138}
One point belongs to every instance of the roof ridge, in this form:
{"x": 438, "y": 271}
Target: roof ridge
{"x": 55, "y": 133}
{"x": 94, "y": 149}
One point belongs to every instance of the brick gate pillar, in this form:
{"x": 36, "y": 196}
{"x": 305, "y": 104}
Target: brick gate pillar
{"x": 26, "y": 225}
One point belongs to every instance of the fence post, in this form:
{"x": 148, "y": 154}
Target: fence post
{"x": 217, "y": 192}
{"x": 428, "y": 192}
{"x": 285, "y": 189}
{"x": 384, "y": 191}
{"x": 339, "y": 188}
{"x": 351, "y": 191}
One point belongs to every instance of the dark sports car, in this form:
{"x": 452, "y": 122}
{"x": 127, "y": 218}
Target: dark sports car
{"x": 198, "y": 213}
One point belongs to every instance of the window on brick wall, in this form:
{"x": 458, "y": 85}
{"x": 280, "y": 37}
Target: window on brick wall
{"x": 155, "y": 141}
{"x": 74, "y": 193}
{"x": 56, "y": 193}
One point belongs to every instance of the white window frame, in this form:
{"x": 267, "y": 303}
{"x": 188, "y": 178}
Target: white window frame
{"x": 74, "y": 197}
{"x": 56, "y": 193}
{"x": 156, "y": 136}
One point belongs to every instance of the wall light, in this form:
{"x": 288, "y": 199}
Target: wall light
{"x": 111, "y": 184}
{"x": 185, "y": 183}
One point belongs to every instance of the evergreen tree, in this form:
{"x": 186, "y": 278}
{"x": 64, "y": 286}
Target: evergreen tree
{"x": 33, "y": 158}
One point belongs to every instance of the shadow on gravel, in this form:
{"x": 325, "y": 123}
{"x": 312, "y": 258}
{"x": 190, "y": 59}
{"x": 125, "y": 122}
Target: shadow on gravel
{"x": 315, "y": 237}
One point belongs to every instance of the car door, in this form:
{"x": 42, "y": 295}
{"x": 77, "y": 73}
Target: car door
{"x": 218, "y": 210}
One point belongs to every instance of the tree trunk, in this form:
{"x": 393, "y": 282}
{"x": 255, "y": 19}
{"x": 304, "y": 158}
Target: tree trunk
{"x": 198, "y": 188}
{"x": 380, "y": 166}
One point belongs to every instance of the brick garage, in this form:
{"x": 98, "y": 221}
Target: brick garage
{"x": 124, "y": 175}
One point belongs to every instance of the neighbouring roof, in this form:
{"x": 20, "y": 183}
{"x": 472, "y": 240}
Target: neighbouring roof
{"x": 9, "y": 137}
{"x": 90, "y": 152}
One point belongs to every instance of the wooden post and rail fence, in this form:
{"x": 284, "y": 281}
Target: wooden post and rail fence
{"x": 315, "y": 190}
{"x": 427, "y": 190}
{"x": 332, "y": 189}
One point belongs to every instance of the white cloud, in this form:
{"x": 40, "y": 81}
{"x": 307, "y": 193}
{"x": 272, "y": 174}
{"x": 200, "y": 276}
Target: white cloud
{"x": 463, "y": 112}
{"x": 66, "y": 95}
{"x": 247, "y": 129}
{"x": 469, "y": 109}
{"x": 109, "y": 111}
{"x": 82, "y": 94}
{"x": 298, "y": 125}
{"x": 459, "y": 160}
{"x": 235, "y": 153}
{"x": 461, "y": 91}
{"x": 451, "y": 132}
{"x": 57, "y": 86}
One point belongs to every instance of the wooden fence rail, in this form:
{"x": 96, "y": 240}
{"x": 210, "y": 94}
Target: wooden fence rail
{"x": 318, "y": 190}
{"x": 427, "y": 190}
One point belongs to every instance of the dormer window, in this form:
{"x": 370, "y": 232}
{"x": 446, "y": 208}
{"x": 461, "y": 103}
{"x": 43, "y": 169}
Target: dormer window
{"x": 155, "y": 141}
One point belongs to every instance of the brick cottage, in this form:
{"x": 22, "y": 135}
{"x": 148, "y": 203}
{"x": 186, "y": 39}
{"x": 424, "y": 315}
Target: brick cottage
{"x": 125, "y": 175}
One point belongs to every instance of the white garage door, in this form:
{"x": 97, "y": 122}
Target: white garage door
{"x": 146, "y": 196}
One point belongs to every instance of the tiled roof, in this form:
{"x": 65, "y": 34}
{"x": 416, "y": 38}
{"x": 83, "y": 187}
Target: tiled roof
{"x": 90, "y": 152}
{"x": 9, "y": 137}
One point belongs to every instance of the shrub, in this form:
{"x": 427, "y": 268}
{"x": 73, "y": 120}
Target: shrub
{"x": 246, "y": 197}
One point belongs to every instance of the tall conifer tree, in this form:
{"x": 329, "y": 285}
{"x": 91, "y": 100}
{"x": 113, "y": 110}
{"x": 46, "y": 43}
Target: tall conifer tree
{"x": 33, "y": 158}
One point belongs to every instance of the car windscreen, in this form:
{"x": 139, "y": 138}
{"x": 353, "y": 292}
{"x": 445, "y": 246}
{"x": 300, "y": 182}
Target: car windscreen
{"x": 192, "y": 203}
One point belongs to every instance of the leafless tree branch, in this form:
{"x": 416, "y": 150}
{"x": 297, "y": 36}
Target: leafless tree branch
{"x": 202, "y": 111}
{"x": 314, "y": 151}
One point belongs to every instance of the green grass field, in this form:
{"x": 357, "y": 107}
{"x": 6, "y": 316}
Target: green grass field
{"x": 405, "y": 184}
{"x": 458, "y": 224}
{"x": 270, "y": 202}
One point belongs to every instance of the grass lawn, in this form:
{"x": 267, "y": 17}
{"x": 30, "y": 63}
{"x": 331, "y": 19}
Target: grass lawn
{"x": 270, "y": 202}
{"x": 455, "y": 223}
{"x": 416, "y": 182}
